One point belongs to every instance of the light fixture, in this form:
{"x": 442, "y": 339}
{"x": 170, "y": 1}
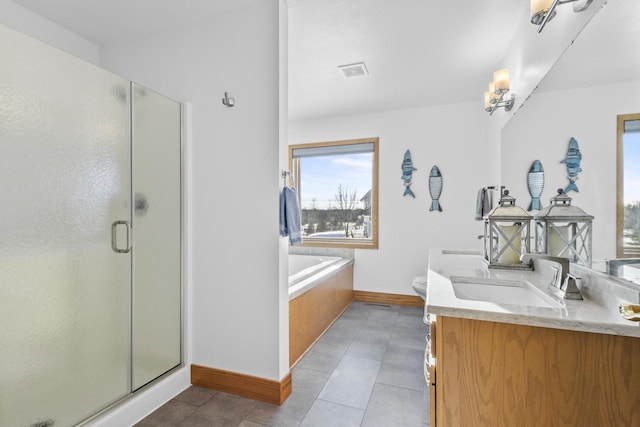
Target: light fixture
{"x": 543, "y": 11}
{"x": 498, "y": 94}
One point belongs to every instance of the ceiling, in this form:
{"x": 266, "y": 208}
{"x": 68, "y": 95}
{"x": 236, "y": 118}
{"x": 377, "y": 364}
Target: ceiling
{"x": 418, "y": 52}
{"x": 107, "y": 21}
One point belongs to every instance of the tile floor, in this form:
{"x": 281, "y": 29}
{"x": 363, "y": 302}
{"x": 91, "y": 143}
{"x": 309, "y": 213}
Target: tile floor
{"x": 365, "y": 371}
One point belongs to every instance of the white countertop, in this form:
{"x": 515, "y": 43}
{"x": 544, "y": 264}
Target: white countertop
{"x": 585, "y": 315}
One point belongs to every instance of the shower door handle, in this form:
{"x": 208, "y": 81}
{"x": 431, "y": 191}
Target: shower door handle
{"x": 114, "y": 236}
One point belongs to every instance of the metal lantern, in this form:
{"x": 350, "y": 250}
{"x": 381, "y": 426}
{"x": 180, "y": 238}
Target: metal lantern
{"x": 506, "y": 234}
{"x": 564, "y": 230}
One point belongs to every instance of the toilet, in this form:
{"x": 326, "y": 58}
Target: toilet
{"x": 419, "y": 285}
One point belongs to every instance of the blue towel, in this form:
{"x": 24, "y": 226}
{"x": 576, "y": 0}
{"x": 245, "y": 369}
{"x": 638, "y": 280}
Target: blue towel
{"x": 283, "y": 216}
{"x": 292, "y": 211}
{"x": 484, "y": 203}
{"x": 290, "y": 216}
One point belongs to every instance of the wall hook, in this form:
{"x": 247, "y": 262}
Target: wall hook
{"x": 229, "y": 102}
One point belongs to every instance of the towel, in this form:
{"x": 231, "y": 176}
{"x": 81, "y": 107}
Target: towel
{"x": 290, "y": 216}
{"x": 283, "y": 216}
{"x": 484, "y": 203}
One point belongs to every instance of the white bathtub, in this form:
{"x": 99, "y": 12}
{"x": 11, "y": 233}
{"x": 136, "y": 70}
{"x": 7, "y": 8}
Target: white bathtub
{"x": 305, "y": 271}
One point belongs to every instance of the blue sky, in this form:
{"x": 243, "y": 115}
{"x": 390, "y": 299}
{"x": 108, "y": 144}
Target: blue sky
{"x": 321, "y": 177}
{"x": 631, "y": 167}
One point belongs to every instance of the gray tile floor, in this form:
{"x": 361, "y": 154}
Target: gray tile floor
{"x": 365, "y": 371}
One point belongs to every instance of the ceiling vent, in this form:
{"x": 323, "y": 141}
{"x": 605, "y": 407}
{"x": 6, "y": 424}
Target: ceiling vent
{"x": 353, "y": 70}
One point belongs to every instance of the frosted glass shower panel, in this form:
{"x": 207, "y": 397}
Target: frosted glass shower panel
{"x": 64, "y": 179}
{"x": 157, "y": 234}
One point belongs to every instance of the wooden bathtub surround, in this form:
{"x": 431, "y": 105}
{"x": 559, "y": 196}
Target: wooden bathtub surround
{"x": 265, "y": 390}
{"x": 384, "y": 298}
{"x": 313, "y": 312}
{"x": 500, "y": 374}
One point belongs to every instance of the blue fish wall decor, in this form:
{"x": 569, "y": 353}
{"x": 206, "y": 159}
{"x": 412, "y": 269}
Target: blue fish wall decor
{"x": 572, "y": 160}
{"x": 407, "y": 173}
{"x": 435, "y": 188}
{"x": 535, "y": 183}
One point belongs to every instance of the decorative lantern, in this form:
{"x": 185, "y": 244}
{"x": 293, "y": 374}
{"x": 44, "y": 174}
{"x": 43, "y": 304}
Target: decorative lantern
{"x": 564, "y": 230}
{"x": 506, "y": 234}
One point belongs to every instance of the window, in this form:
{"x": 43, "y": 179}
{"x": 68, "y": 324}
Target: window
{"x": 628, "y": 215}
{"x": 337, "y": 184}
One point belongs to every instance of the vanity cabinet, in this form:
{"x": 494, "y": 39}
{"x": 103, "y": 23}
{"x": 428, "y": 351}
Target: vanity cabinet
{"x": 500, "y": 374}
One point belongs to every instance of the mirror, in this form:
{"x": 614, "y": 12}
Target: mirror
{"x": 628, "y": 196}
{"x": 593, "y": 82}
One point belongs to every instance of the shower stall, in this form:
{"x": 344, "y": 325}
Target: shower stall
{"x": 90, "y": 236}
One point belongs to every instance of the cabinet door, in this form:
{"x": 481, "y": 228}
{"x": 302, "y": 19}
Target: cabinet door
{"x": 157, "y": 235}
{"x": 64, "y": 182}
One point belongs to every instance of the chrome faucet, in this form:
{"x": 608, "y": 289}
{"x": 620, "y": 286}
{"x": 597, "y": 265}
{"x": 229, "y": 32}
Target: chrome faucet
{"x": 613, "y": 265}
{"x": 563, "y": 284}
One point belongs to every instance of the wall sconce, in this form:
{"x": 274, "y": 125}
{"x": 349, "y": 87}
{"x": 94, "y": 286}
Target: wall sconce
{"x": 498, "y": 94}
{"x": 543, "y": 11}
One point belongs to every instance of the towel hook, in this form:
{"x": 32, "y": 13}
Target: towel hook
{"x": 229, "y": 102}
{"x": 285, "y": 175}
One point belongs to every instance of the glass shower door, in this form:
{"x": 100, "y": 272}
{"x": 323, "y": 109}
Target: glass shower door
{"x": 64, "y": 185}
{"x": 156, "y": 134}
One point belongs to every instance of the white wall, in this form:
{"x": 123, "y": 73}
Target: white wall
{"x": 542, "y": 131}
{"x": 283, "y": 160}
{"x": 237, "y": 295}
{"x": 451, "y": 137}
{"x": 27, "y": 22}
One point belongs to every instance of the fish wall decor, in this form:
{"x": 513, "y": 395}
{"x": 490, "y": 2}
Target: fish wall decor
{"x": 435, "y": 188}
{"x": 407, "y": 173}
{"x": 572, "y": 160}
{"x": 535, "y": 183}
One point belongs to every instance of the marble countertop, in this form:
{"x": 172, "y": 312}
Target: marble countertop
{"x": 587, "y": 315}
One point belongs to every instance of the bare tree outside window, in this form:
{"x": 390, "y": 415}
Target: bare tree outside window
{"x": 632, "y": 224}
{"x": 346, "y": 211}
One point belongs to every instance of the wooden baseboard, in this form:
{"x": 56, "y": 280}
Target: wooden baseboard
{"x": 382, "y": 298}
{"x": 262, "y": 389}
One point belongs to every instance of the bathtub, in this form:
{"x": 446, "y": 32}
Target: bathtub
{"x": 304, "y": 266}
{"x": 307, "y": 271}
{"x": 320, "y": 289}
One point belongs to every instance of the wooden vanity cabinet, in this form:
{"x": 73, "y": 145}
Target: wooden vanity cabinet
{"x": 431, "y": 379}
{"x": 501, "y": 374}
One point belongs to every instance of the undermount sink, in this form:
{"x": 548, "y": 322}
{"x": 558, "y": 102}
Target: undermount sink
{"x": 513, "y": 292}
